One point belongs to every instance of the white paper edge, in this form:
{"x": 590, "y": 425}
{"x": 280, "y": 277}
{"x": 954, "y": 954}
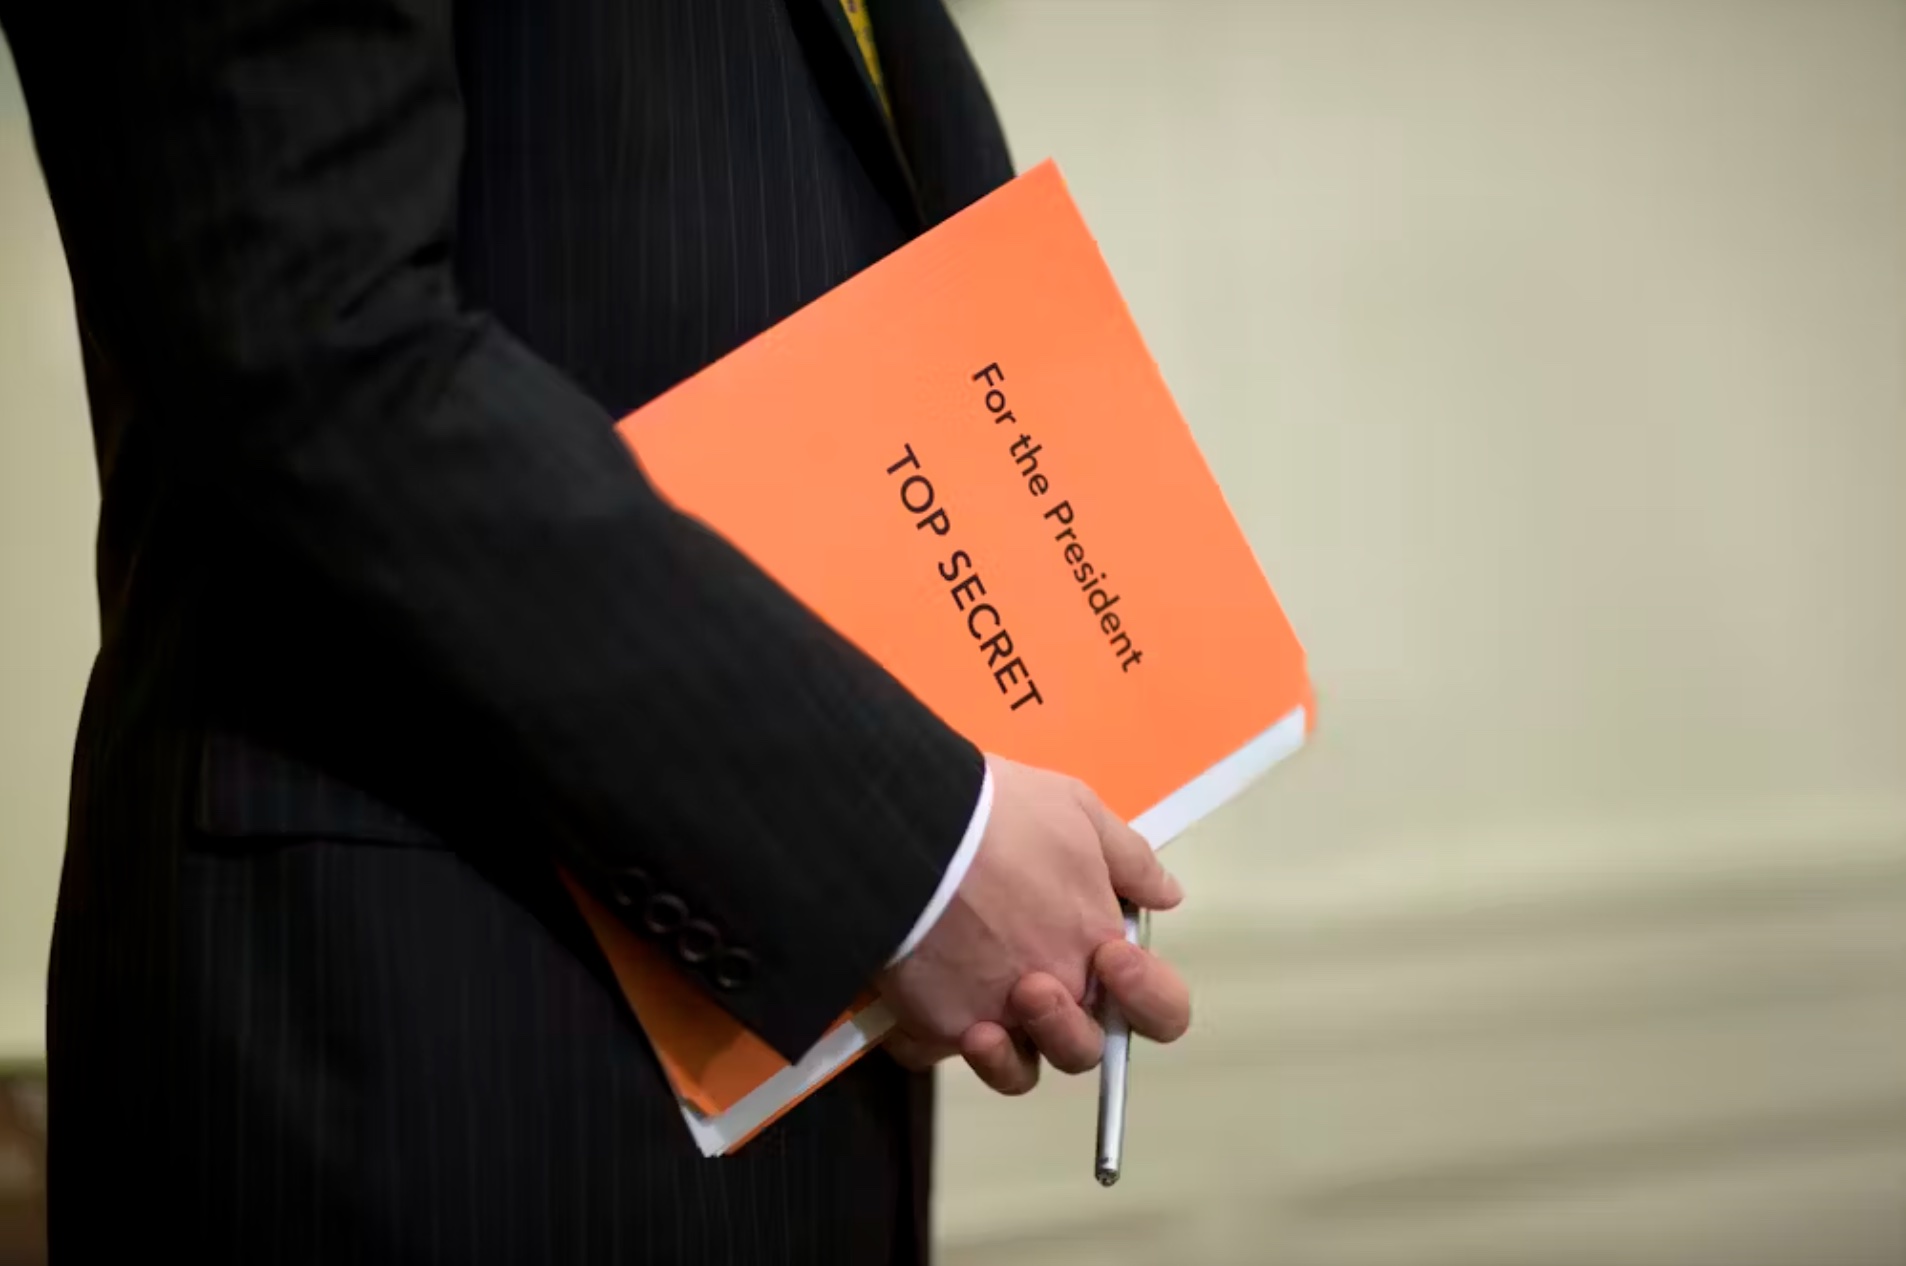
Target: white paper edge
{"x": 715, "y": 1135}
{"x": 1172, "y": 816}
{"x": 1159, "y": 824}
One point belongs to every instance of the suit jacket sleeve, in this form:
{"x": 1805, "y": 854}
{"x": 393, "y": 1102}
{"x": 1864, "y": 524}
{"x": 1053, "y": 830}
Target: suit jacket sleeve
{"x": 257, "y": 198}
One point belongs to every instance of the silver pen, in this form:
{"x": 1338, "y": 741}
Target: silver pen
{"x": 1115, "y": 1063}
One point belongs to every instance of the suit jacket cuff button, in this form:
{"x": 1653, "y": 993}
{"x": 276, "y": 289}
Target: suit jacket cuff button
{"x": 630, "y": 886}
{"x": 697, "y": 942}
{"x": 734, "y": 969}
{"x": 665, "y": 913}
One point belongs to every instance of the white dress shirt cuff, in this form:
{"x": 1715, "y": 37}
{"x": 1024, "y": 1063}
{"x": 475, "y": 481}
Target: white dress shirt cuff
{"x": 955, "y": 871}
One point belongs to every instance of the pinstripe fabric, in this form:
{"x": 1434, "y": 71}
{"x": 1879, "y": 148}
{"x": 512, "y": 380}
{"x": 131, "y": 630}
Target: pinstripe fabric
{"x": 455, "y": 1085}
{"x": 391, "y": 623}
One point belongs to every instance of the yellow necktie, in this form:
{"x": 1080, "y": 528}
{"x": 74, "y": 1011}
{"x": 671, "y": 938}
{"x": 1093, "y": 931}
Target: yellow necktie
{"x": 863, "y": 24}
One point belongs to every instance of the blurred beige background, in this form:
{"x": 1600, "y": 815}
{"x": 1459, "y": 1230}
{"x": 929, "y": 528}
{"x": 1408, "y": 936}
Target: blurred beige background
{"x": 49, "y": 627}
{"x": 1553, "y": 353}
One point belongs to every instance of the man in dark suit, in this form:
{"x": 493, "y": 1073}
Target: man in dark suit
{"x": 392, "y": 626}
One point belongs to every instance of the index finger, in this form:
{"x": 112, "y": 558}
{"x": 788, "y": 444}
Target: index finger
{"x": 1130, "y": 861}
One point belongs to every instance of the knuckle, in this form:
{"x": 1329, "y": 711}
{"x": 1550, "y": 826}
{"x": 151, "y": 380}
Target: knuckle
{"x": 1100, "y": 930}
{"x": 1037, "y": 999}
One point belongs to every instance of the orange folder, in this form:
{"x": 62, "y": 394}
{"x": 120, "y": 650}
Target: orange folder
{"x": 965, "y": 460}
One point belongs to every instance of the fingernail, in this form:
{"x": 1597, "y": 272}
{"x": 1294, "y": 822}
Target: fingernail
{"x": 1174, "y": 891}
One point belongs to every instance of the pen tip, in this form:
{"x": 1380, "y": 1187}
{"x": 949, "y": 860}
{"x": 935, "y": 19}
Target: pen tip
{"x": 1107, "y": 1175}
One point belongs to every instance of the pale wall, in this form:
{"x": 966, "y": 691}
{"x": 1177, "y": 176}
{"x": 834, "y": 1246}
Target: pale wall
{"x": 1553, "y": 353}
{"x": 49, "y": 626}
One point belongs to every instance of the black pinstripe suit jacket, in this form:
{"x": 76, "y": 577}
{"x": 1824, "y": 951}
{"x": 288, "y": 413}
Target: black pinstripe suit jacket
{"x": 391, "y": 623}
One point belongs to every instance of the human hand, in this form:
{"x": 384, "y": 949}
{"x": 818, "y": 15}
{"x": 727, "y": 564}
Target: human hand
{"x": 1146, "y": 989}
{"x": 1153, "y": 998}
{"x": 1004, "y": 972}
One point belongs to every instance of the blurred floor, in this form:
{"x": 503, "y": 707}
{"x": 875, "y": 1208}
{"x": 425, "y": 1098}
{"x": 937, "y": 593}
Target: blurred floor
{"x": 22, "y": 1171}
{"x": 1644, "y": 1051}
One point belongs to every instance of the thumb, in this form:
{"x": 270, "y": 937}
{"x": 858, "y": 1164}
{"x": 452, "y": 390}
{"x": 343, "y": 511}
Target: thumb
{"x": 1136, "y": 873}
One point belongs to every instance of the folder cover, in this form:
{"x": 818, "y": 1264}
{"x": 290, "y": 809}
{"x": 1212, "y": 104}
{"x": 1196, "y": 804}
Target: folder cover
{"x": 966, "y": 461}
